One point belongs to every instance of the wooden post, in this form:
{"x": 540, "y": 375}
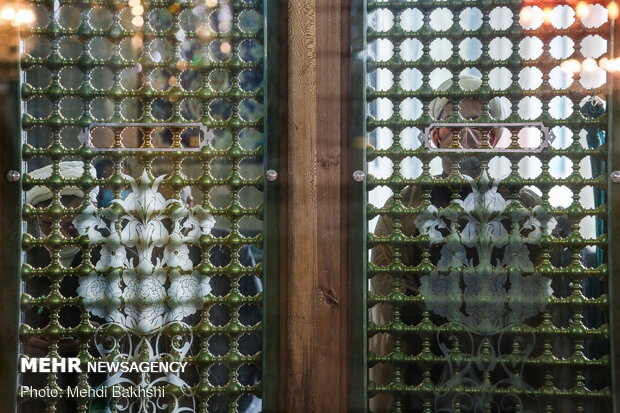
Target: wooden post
{"x": 315, "y": 372}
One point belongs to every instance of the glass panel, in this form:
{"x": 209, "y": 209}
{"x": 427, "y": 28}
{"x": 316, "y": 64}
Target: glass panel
{"x": 142, "y": 129}
{"x": 487, "y": 268}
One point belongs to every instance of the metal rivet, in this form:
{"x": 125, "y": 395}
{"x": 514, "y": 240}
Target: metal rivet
{"x": 271, "y": 175}
{"x": 615, "y": 177}
{"x": 359, "y": 176}
{"x": 13, "y": 176}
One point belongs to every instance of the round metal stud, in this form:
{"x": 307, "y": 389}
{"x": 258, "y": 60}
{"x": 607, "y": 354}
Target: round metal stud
{"x": 615, "y": 177}
{"x": 271, "y": 175}
{"x": 359, "y": 176}
{"x": 13, "y": 176}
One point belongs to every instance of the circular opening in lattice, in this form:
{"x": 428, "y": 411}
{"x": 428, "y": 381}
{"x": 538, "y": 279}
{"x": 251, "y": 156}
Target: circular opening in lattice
{"x": 470, "y": 18}
{"x": 250, "y": 285}
{"x": 220, "y": 196}
{"x": 500, "y": 48}
{"x": 218, "y": 375}
{"x": 190, "y": 80}
{"x": 560, "y": 196}
{"x": 382, "y": 167}
{"x": 588, "y": 227}
{"x": 530, "y": 48}
{"x": 530, "y": 108}
{"x": 132, "y": 108}
{"x": 250, "y": 197}
{"x": 499, "y": 108}
{"x": 250, "y": 110}
{"x": 42, "y": 16}
{"x": 500, "y": 18}
{"x": 385, "y": 314}
{"x": 220, "y": 109}
{"x": 410, "y": 50}
{"x": 159, "y": 20}
{"x": 39, "y": 107}
{"x": 530, "y": 167}
{"x": 441, "y": 19}
{"x": 101, "y": 78}
{"x": 248, "y": 375}
{"x": 410, "y": 109}
{"x": 69, "y": 17}
{"x": 218, "y": 345}
{"x": 249, "y": 403}
{"x": 191, "y": 109}
{"x": 250, "y": 168}
{"x": 101, "y": 109}
{"x": 381, "y": 374}
{"x": 100, "y": 18}
{"x": 562, "y": 17}
{"x": 560, "y": 107}
{"x": 381, "y": 108}
{"x": 470, "y": 109}
{"x": 381, "y": 20}
{"x": 500, "y": 78}
{"x": 440, "y": 49}
{"x": 411, "y": 167}
{"x": 220, "y": 168}
{"x": 71, "y": 48}
{"x": 219, "y": 315}
{"x": 38, "y": 46}
{"x": 381, "y": 50}
{"x": 381, "y": 79}
{"x": 40, "y": 77}
{"x": 410, "y": 79}
{"x": 250, "y": 80}
{"x": 161, "y": 109}
{"x": 160, "y": 50}
{"x": 470, "y": 49}
{"x": 220, "y": 19}
{"x": 531, "y": 17}
{"x": 249, "y": 344}
{"x": 250, "y": 21}
{"x": 560, "y": 79}
{"x": 99, "y": 48}
{"x": 411, "y": 20}
{"x": 560, "y": 167}
{"x": 590, "y": 256}
{"x": 499, "y": 167}
{"x": 594, "y": 15}
{"x": 250, "y": 50}
{"x": 530, "y": 78}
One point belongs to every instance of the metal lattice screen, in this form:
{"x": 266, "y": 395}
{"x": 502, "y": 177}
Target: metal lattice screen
{"x": 142, "y": 128}
{"x": 487, "y": 268}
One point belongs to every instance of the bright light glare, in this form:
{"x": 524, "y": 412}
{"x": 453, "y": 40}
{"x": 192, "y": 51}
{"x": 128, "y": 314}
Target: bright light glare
{"x": 589, "y": 65}
{"x": 137, "y": 10}
{"x": 571, "y": 66}
{"x": 137, "y": 21}
{"x": 582, "y": 10}
{"x": 7, "y": 13}
{"x": 24, "y": 17}
{"x": 613, "y": 10}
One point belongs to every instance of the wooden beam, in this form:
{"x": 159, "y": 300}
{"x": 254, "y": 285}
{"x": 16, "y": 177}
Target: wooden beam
{"x": 316, "y": 368}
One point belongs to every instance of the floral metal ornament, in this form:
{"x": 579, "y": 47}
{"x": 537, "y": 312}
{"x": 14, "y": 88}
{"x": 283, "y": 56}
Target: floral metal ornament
{"x": 484, "y": 283}
{"x": 144, "y": 281}
{"x": 135, "y": 284}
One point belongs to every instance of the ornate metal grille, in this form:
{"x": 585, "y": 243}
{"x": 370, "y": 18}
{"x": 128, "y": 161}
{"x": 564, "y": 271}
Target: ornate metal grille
{"x": 142, "y": 128}
{"x": 487, "y": 268}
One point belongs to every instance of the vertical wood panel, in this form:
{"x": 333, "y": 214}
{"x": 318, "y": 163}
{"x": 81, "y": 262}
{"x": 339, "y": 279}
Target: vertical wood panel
{"x": 316, "y": 367}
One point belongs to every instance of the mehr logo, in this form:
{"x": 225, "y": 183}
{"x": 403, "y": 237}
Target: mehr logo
{"x": 50, "y": 365}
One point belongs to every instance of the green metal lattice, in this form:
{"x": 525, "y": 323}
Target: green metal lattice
{"x": 162, "y": 99}
{"x": 482, "y": 330}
